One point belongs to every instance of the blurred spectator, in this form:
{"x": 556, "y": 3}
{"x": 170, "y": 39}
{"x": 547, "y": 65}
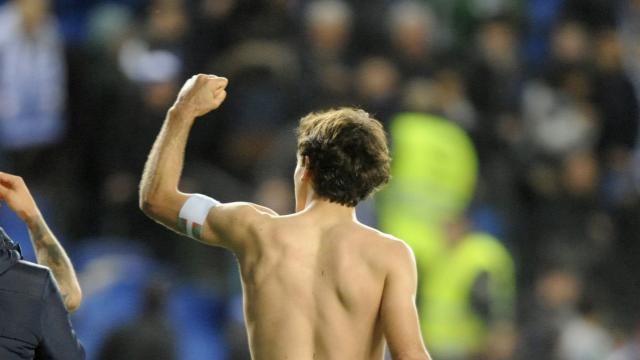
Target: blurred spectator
{"x": 569, "y": 43}
{"x": 96, "y": 83}
{"x": 628, "y": 33}
{"x": 558, "y": 120}
{"x": 616, "y": 100}
{"x": 370, "y": 32}
{"x": 452, "y": 101}
{"x": 148, "y": 337}
{"x": 326, "y": 59}
{"x": 32, "y": 83}
{"x": 629, "y": 350}
{"x": 166, "y": 24}
{"x": 550, "y": 306}
{"x": 212, "y": 32}
{"x": 497, "y": 63}
{"x": 584, "y": 337}
{"x": 444, "y": 95}
{"x": 141, "y": 70}
{"x": 418, "y": 95}
{"x": 266, "y": 74}
{"x": 328, "y": 26}
{"x": 158, "y": 51}
{"x": 468, "y": 14}
{"x": 376, "y": 85}
{"x": 435, "y": 172}
{"x": 569, "y": 226}
{"x": 468, "y": 297}
{"x": 122, "y": 153}
{"x": 413, "y": 36}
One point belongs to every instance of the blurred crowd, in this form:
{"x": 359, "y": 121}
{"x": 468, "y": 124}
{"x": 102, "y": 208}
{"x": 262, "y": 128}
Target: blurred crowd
{"x": 547, "y": 92}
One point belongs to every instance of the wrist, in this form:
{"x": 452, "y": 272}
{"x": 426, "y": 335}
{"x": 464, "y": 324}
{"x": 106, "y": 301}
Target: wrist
{"x": 182, "y": 112}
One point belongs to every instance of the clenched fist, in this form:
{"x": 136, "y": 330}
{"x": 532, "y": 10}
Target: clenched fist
{"x": 14, "y": 192}
{"x": 201, "y": 94}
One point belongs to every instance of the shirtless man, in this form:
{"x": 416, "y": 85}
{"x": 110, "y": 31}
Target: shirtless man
{"x": 317, "y": 284}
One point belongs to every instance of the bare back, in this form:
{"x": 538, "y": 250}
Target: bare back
{"x": 314, "y": 291}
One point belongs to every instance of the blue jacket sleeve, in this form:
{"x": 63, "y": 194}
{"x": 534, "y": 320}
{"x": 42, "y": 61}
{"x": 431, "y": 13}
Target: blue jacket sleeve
{"x": 59, "y": 340}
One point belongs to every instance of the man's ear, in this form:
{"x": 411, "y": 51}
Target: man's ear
{"x": 306, "y": 174}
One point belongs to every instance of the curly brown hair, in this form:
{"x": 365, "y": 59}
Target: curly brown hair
{"x": 348, "y": 154}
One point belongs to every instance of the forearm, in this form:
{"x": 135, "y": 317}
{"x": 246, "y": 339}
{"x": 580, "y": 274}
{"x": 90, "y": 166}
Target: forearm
{"x": 164, "y": 166}
{"x": 50, "y": 253}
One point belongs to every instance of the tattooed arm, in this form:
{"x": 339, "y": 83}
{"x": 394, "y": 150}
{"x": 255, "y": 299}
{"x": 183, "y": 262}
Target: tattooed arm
{"x": 49, "y": 252}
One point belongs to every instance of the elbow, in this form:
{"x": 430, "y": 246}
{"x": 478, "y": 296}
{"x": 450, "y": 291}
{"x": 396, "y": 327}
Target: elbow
{"x": 148, "y": 203}
{"x": 145, "y": 205}
{"x": 73, "y": 300}
{"x": 145, "y": 199}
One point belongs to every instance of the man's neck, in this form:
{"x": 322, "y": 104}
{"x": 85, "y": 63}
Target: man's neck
{"x": 329, "y": 210}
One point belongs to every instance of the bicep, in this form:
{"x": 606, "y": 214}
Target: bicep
{"x": 224, "y": 224}
{"x": 398, "y": 309}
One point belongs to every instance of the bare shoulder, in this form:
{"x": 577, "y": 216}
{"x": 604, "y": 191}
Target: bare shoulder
{"x": 245, "y": 211}
{"x": 263, "y": 210}
{"x": 234, "y": 225}
{"x": 389, "y": 248}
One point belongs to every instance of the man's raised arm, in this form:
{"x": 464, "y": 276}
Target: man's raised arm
{"x": 49, "y": 252}
{"x": 398, "y": 309}
{"x": 160, "y": 198}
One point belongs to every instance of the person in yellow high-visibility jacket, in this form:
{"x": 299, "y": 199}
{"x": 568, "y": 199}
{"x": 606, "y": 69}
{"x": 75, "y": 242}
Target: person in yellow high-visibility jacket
{"x": 434, "y": 175}
{"x": 468, "y": 294}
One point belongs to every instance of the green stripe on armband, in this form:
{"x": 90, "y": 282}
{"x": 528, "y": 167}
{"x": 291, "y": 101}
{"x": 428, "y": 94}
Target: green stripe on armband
{"x": 196, "y": 229}
{"x": 182, "y": 225}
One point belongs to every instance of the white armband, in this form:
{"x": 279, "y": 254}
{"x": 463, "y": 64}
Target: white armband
{"x": 194, "y": 213}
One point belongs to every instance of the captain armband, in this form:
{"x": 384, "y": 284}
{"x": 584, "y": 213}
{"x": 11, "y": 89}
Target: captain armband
{"x": 194, "y": 213}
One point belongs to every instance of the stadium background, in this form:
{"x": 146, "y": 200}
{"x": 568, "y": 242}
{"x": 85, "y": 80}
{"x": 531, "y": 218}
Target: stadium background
{"x": 546, "y": 90}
